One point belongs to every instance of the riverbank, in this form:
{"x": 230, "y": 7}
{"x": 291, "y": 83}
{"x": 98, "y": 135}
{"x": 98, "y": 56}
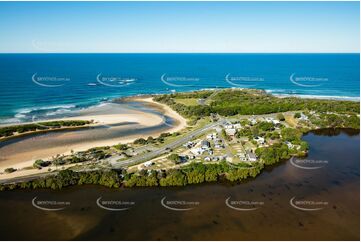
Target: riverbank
{"x": 336, "y": 184}
{"x": 113, "y": 123}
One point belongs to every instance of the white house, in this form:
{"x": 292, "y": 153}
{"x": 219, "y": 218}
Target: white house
{"x": 237, "y": 126}
{"x": 272, "y": 120}
{"x": 276, "y": 122}
{"x": 259, "y": 140}
{"x": 197, "y": 151}
{"x": 229, "y": 159}
{"x": 251, "y": 156}
{"x": 191, "y": 157}
{"x": 242, "y": 156}
{"x": 212, "y": 136}
{"x": 253, "y": 121}
{"x": 289, "y": 145}
{"x": 189, "y": 144}
{"x": 148, "y": 164}
{"x": 231, "y": 132}
{"x": 303, "y": 117}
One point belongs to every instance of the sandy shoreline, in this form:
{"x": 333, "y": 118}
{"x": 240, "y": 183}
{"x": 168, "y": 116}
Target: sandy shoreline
{"x": 102, "y": 116}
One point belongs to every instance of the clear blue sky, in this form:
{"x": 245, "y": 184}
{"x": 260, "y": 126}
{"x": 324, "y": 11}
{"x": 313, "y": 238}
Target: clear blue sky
{"x": 179, "y": 27}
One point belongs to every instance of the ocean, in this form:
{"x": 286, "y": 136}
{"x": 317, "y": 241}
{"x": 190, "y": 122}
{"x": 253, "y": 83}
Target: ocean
{"x": 40, "y": 86}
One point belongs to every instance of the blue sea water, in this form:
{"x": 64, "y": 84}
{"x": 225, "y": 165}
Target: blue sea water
{"x": 53, "y": 84}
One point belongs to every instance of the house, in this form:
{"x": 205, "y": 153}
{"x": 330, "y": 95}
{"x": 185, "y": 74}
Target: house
{"x": 303, "y": 117}
{"x": 253, "y": 121}
{"x": 237, "y": 126}
{"x": 229, "y": 159}
{"x": 221, "y": 158}
{"x": 231, "y": 132}
{"x": 205, "y": 145}
{"x": 289, "y": 145}
{"x": 268, "y": 119}
{"x": 212, "y": 136}
{"x": 276, "y": 122}
{"x": 242, "y": 156}
{"x": 148, "y": 164}
{"x": 218, "y": 129}
{"x": 228, "y": 125}
{"x": 215, "y": 158}
{"x": 259, "y": 140}
{"x": 189, "y": 144}
{"x": 251, "y": 156}
{"x": 197, "y": 151}
{"x": 191, "y": 157}
{"x": 272, "y": 120}
{"x": 292, "y": 146}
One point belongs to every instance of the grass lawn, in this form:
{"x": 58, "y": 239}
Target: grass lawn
{"x": 291, "y": 120}
{"x": 187, "y": 101}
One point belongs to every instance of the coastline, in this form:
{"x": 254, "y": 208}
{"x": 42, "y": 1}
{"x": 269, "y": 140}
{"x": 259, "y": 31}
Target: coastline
{"x": 134, "y": 120}
{"x": 129, "y": 119}
{"x": 321, "y": 97}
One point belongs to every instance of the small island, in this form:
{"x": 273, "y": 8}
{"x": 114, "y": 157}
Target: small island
{"x": 231, "y": 135}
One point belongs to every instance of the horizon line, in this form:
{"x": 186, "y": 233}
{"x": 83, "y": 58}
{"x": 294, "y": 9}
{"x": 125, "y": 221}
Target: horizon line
{"x": 179, "y": 53}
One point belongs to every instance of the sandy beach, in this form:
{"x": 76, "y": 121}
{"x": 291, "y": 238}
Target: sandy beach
{"x": 110, "y": 119}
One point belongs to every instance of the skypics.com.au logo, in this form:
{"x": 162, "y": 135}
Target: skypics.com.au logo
{"x": 114, "y": 205}
{"x": 243, "y": 205}
{"x": 50, "y": 205}
{"x": 114, "y": 81}
{"x": 243, "y": 81}
{"x": 307, "y": 81}
{"x": 307, "y": 164}
{"x": 49, "y": 81}
{"x": 179, "y": 81}
{"x": 178, "y": 205}
{"x": 307, "y": 205}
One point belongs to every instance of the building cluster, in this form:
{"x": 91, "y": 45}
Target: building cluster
{"x": 231, "y": 129}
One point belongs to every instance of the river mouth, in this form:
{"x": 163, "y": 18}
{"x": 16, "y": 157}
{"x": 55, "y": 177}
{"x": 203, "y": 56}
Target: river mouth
{"x": 270, "y": 207}
{"x": 138, "y": 121}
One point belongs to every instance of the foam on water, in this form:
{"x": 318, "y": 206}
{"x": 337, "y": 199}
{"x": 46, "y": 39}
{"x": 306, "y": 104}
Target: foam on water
{"x": 21, "y": 98}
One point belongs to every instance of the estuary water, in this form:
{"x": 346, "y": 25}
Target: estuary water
{"x": 285, "y": 202}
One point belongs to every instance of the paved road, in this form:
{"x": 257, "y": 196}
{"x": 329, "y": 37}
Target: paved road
{"x": 148, "y": 156}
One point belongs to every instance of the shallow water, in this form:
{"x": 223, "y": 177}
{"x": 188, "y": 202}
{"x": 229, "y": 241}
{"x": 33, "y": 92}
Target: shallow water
{"x": 43, "y": 145}
{"x": 336, "y": 184}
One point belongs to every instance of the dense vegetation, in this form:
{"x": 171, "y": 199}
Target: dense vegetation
{"x": 230, "y": 102}
{"x": 10, "y": 130}
{"x": 67, "y": 178}
{"x": 280, "y": 151}
{"x": 193, "y": 173}
{"x": 151, "y": 140}
{"x": 325, "y": 120}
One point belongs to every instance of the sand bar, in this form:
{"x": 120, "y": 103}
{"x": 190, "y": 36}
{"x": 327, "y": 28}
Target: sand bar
{"x": 113, "y": 122}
